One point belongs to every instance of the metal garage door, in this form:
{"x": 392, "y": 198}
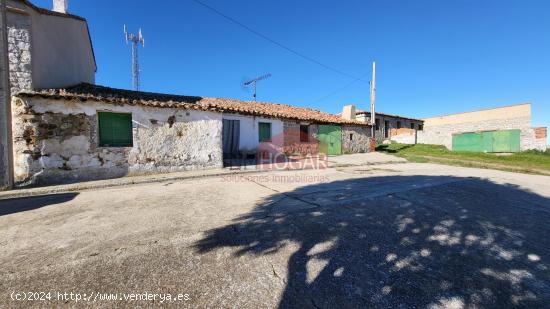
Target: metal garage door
{"x": 330, "y": 139}
{"x": 488, "y": 141}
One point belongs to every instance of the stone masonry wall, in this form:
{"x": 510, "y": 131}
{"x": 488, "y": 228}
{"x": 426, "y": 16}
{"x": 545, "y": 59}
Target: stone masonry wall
{"x": 355, "y": 139}
{"x": 57, "y": 141}
{"x": 19, "y": 51}
{"x": 291, "y": 138}
{"x": 442, "y": 135}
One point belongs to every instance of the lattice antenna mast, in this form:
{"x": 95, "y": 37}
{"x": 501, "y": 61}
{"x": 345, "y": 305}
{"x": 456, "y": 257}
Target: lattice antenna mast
{"x": 254, "y": 81}
{"x": 135, "y": 39}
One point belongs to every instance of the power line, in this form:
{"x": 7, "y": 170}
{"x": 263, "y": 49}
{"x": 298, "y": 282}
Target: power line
{"x": 265, "y": 37}
{"x": 341, "y": 89}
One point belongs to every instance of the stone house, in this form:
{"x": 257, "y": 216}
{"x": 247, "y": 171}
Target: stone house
{"x": 90, "y": 132}
{"x": 394, "y": 127}
{"x": 66, "y": 128}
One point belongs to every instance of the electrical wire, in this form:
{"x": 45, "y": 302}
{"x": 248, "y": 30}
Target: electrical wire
{"x": 341, "y": 89}
{"x": 265, "y": 37}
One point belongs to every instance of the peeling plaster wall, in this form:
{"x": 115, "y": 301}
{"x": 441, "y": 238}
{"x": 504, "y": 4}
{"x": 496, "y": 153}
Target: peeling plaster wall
{"x": 57, "y": 141}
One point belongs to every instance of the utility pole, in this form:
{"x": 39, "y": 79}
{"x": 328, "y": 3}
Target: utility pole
{"x": 135, "y": 39}
{"x": 373, "y": 100}
{"x": 6, "y": 155}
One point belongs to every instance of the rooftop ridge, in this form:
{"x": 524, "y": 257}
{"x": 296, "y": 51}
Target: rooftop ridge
{"x": 86, "y": 91}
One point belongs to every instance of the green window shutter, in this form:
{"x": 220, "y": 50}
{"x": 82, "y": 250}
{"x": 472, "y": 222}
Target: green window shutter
{"x": 264, "y": 131}
{"x": 115, "y": 130}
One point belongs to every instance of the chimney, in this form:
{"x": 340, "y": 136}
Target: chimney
{"x": 61, "y": 6}
{"x": 349, "y": 112}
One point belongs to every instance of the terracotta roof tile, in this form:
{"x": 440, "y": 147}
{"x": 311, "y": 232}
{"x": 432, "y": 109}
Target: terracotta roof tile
{"x": 85, "y": 92}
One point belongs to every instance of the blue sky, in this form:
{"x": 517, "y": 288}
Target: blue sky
{"x": 434, "y": 57}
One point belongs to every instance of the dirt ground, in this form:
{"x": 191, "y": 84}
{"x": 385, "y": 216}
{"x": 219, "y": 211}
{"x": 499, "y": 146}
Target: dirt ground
{"x": 400, "y": 235}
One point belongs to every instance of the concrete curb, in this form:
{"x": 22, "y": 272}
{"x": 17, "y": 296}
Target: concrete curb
{"x": 118, "y": 182}
{"x": 157, "y": 178}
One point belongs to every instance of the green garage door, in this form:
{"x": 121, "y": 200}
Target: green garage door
{"x": 330, "y": 139}
{"x": 488, "y": 141}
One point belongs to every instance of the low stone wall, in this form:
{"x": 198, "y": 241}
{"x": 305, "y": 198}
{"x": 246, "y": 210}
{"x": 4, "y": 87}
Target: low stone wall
{"x": 56, "y": 141}
{"x": 443, "y": 134}
{"x": 355, "y": 139}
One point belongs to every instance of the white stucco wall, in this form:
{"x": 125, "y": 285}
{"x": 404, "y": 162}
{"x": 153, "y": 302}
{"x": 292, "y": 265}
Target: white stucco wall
{"x": 249, "y": 139}
{"x": 58, "y": 140}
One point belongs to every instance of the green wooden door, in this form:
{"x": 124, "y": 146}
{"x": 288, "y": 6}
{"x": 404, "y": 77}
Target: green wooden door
{"x": 488, "y": 141}
{"x": 330, "y": 139}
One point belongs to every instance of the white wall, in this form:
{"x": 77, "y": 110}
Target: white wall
{"x": 249, "y": 139}
{"x": 58, "y": 140}
{"x": 61, "y": 52}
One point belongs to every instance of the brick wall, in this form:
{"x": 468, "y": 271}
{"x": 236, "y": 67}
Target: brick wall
{"x": 540, "y": 133}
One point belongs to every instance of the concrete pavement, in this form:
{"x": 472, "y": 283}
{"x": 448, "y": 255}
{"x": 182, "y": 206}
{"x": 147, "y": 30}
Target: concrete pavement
{"x": 387, "y": 235}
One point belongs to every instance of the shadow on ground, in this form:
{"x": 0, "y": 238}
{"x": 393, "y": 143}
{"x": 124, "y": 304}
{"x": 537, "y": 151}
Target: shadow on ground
{"x": 387, "y": 149}
{"x": 400, "y": 242}
{"x": 15, "y": 205}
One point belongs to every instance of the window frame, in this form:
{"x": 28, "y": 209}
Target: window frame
{"x": 102, "y": 144}
{"x": 304, "y": 135}
{"x": 260, "y": 123}
{"x": 398, "y": 124}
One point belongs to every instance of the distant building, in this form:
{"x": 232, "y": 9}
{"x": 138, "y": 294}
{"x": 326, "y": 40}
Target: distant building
{"x": 387, "y": 126}
{"x": 500, "y": 129}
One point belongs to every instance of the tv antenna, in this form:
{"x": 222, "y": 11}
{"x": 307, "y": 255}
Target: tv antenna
{"x": 135, "y": 39}
{"x": 254, "y": 81}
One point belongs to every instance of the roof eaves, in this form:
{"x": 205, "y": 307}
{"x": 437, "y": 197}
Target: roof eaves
{"x": 84, "y": 92}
